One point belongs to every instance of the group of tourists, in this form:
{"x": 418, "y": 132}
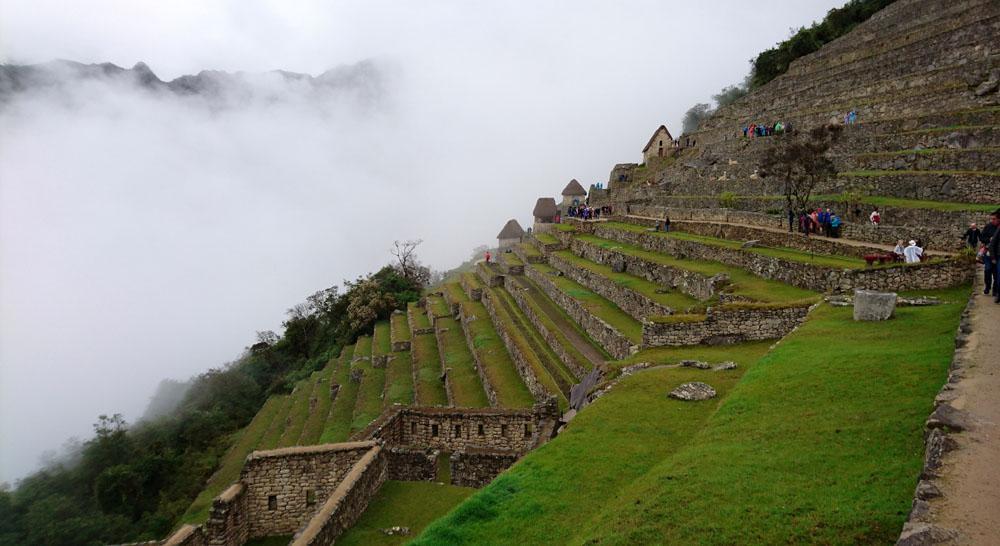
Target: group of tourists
{"x": 910, "y": 253}
{"x": 818, "y": 222}
{"x": 754, "y": 130}
{"x": 986, "y": 242}
{"x": 851, "y": 117}
{"x": 584, "y": 212}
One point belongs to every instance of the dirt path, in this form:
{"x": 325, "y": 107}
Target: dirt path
{"x": 970, "y": 480}
{"x": 839, "y": 240}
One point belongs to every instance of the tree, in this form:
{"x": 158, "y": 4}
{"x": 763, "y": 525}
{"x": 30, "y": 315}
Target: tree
{"x": 800, "y": 161}
{"x": 408, "y": 263}
{"x": 695, "y": 115}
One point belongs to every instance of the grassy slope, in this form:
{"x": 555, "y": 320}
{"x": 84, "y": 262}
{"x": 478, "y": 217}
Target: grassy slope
{"x": 535, "y": 299}
{"x": 399, "y": 379}
{"x": 299, "y": 411}
{"x": 406, "y": 504}
{"x": 596, "y": 304}
{"x": 558, "y": 487}
{"x": 369, "y": 401}
{"x": 466, "y": 387}
{"x": 497, "y": 364}
{"x": 420, "y": 319}
{"x": 313, "y": 428}
{"x": 841, "y": 470}
{"x": 338, "y": 422}
{"x": 273, "y": 435}
{"x": 743, "y": 282}
{"x": 673, "y": 299}
{"x": 400, "y": 328}
{"x": 429, "y": 389}
{"x": 381, "y": 342}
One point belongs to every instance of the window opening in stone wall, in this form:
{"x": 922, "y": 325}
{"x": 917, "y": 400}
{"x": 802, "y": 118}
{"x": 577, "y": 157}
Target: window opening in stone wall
{"x": 413, "y": 427}
{"x": 503, "y": 430}
{"x": 310, "y": 497}
{"x": 272, "y": 502}
{"x": 458, "y": 430}
{"x": 527, "y": 430}
{"x": 482, "y": 432}
{"x": 434, "y": 430}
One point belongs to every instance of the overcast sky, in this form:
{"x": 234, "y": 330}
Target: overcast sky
{"x": 143, "y": 238}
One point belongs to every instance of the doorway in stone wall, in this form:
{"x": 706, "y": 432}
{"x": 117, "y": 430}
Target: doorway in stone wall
{"x": 443, "y": 468}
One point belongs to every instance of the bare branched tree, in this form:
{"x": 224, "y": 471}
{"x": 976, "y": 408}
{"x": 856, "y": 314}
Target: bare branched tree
{"x": 408, "y": 263}
{"x": 801, "y": 162}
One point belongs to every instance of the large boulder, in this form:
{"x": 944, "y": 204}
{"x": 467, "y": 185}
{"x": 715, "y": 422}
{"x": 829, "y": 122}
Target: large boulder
{"x": 694, "y": 391}
{"x": 871, "y": 305}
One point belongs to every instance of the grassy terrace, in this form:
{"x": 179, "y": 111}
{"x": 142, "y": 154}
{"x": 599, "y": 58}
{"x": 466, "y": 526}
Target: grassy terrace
{"x": 453, "y": 293}
{"x": 820, "y": 441}
{"x": 595, "y": 304}
{"x": 313, "y": 428}
{"x": 406, "y": 504}
{"x": 368, "y": 404}
{"x": 298, "y": 412}
{"x": 399, "y": 379}
{"x": 437, "y": 306}
{"x": 232, "y": 462}
{"x": 670, "y": 298}
{"x": 363, "y": 347}
{"x": 790, "y": 254}
{"x": 873, "y": 200}
{"x": 545, "y": 364}
{"x": 466, "y": 388}
{"x": 874, "y": 173}
{"x": 546, "y": 238}
{"x": 338, "y": 422}
{"x": 556, "y": 321}
{"x": 381, "y": 341}
{"x": 418, "y": 315}
{"x": 511, "y": 259}
{"x": 928, "y": 151}
{"x": 400, "y": 327}
{"x": 530, "y": 250}
{"x": 499, "y": 368}
{"x": 429, "y": 388}
{"x": 277, "y": 428}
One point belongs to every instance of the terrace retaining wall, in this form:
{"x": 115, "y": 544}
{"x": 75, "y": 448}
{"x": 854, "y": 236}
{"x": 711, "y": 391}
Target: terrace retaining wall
{"x": 630, "y": 301}
{"x": 478, "y": 467}
{"x": 524, "y": 368}
{"x": 465, "y": 318}
{"x": 726, "y": 325}
{"x": 551, "y": 340}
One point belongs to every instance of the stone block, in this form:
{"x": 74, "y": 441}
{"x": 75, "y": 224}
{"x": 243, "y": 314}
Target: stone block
{"x": 873, "y": 306}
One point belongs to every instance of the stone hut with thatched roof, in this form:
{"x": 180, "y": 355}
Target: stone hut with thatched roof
{"x": 545, "y": 213}
{"x": 511, "y": 234}
{"x": 573, "y": 194}
{"x": 659, "y": 144}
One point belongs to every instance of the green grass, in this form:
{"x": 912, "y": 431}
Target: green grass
{"x": 841, "y": 471}
{"x": 790, "y": 254}
{"x": 670, "y": 298}
{"x": 313, "y": 429}
{"x": 546, "y": 238}
{"x": 743, "y": 283}
{"x": 713, "y": 354}
{"x": 553, "y": 490}
{"x": 466, "y": 388}
{"x": 497, "y": 365}
{"x": 382, "y": 341}
{"x": 400, "y": 327}
{"x": 595, "y": 304}
{"x": 272, "y": 437}
{"x": 299, "y": 411}
{"x": 454, "y": 293}
{"x": 511, "y": 259}
{"x": 338, "y": 424}
{"x": 437, "y": 306}
{"x": 370, "y": 400}
{"x": 530, "y": 250}
{"x": 550, "y": 371}
{"x": 404, "y": 504}
{"x": 399, "y": 379}
{"x": 232, "y": 462}
{"x": 566, "y": 228}
{"x": 913, "y": 203}
{"x": 429, "y": 388}
{"x": 419, "y": 315}
{"x": 363, "y": 347}
{"x": 928, "y": 151}
{"x": 472, "y": 280}
{"x": 550, "y": 324}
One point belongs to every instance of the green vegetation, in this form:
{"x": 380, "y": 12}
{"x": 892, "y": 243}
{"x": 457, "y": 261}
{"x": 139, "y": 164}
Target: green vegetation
{"x": 789, "y": 254}
{"x": 273, "y": 435}
{"x": 875, "y": 173}
{"x": 774, "y": 62}
{"x": 298, "y": 412}
{"x": 338, "y": 423}
{"x": 546, "y": 238}
{"x": 554, "y": 319}
{"x": 842, "y": 471}
{"x": 669, "y": 298}
{"x": 595, "y": 304}
{"x": 472, "y": 280}
{"x": 429, "y": 389}
{"x": 363, "y": 347}
{"x": 914, "y": 203}
{"x": 437, "y": 306}
{"x": 406, "y": 504}
{"x": 371, "y": 390}
{"x": 418, "y": 315}
{"x": 381, "y": 339}
{"x": 399, "y": 379}
{"x": 499, "y": 368}
{"x": 454, "y": 293}
{"x": 466, "y": 388}
{"x": 511, "y": 259}
{"x": 529, "y": 250}
{"x": 313, "y": 428}
{"x": 400, "y": 327}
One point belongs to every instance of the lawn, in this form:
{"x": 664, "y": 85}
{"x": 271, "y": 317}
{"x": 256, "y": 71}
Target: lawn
{"x": 399, "y": 379}
{"x": 545, "y": 238}
{"x": 530, "y": 250}
{"x": 298, "y": 413}
{"x": 429, "y": 388}
{"x": 418, "y": 315}
{"x": 497, "y": 364}
{"x": 671, "y": 298}
{"x": 594, "y": 303}
{"x": 363, "y": 347}
{"x": 472, "y": 280}
{"x": 743, "y": 283}
{"x": 381, "y": 341}
{"x": 454, "y": 293}
{"x": 466, "y": 388}
{"x": 842, "y": 471}
{"x": 338, "y": 422}
{"x": 403, "y": 504}
{"x": 400, "y": 327}
{"x": 313, "y": 428}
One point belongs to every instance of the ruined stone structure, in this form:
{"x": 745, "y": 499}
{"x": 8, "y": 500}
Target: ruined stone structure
{"x": 545, "y": 213}
{"x": 659, "y": 145}
{"x": 572, "y": 195}
{"x": 511, "y": 234}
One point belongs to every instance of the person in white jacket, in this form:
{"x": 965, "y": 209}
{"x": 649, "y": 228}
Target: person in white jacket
{"x": 913, "y": 253}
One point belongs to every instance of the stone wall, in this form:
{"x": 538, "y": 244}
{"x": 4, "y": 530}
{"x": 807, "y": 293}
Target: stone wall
{"x": 616, "y": 344}
{"x": 545, "y": 248}
{"x": 693, "y": 284}
{"x": 478, "y": 467}
{"x": 453, "y": 429}
{"x": 228, "y": 523}
{"x": 475, "y": 293}
{"x": 489, "y": 274}
{"x": 727, "y": 324}
{"x": 278, "y": 483}
{"x": 922, "y": 276}
{"x": 414, "y": 330}
{"x": 630, "y": 301}
{"x": 550, "y": 338}
{"x": 528, "y": 258}
{"x": 465, "y": 317}
{"x": 188, "y": 535}
{"x": 347, "y": 502}
{"x": 412, "y": 464}
{"x": 518, "y": 354}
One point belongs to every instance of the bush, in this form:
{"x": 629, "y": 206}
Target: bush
{"x": 727, "y": 200}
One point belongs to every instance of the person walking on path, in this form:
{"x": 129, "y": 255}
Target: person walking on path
{"x": 992, "y": 257}
{"x": 898, "y": 251}
{"x": 989, "y": 259}
{"x": 912, "y": 253}
{"x": 834, "y": 225}
{"x": 972, "y": 236}
{"x": 666, "y": 223}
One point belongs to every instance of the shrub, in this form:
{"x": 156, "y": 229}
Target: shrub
{"x": 727, "y": 200}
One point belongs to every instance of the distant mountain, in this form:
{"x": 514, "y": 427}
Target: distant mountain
{"x": 364, "y": 79}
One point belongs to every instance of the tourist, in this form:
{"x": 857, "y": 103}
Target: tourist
{"x": 898, "y": 251}
{"x": 834, "y": 225}
{"x": 804, "y": 223}
{"x": 993, "y": 248}
{"x": 791, "y": 220}
{"x": 923, "y": 250}
{"x": 972, "y": 236}
{"x": 666, "y": 222}
{"x": 814, "y": 221}
{"x": 488, "y": 256}
{"x": 912, "y": 253}
{"x": 824, "y": 221}
{"x": 875, "y": 217}
{"x": 990, "y": 273}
